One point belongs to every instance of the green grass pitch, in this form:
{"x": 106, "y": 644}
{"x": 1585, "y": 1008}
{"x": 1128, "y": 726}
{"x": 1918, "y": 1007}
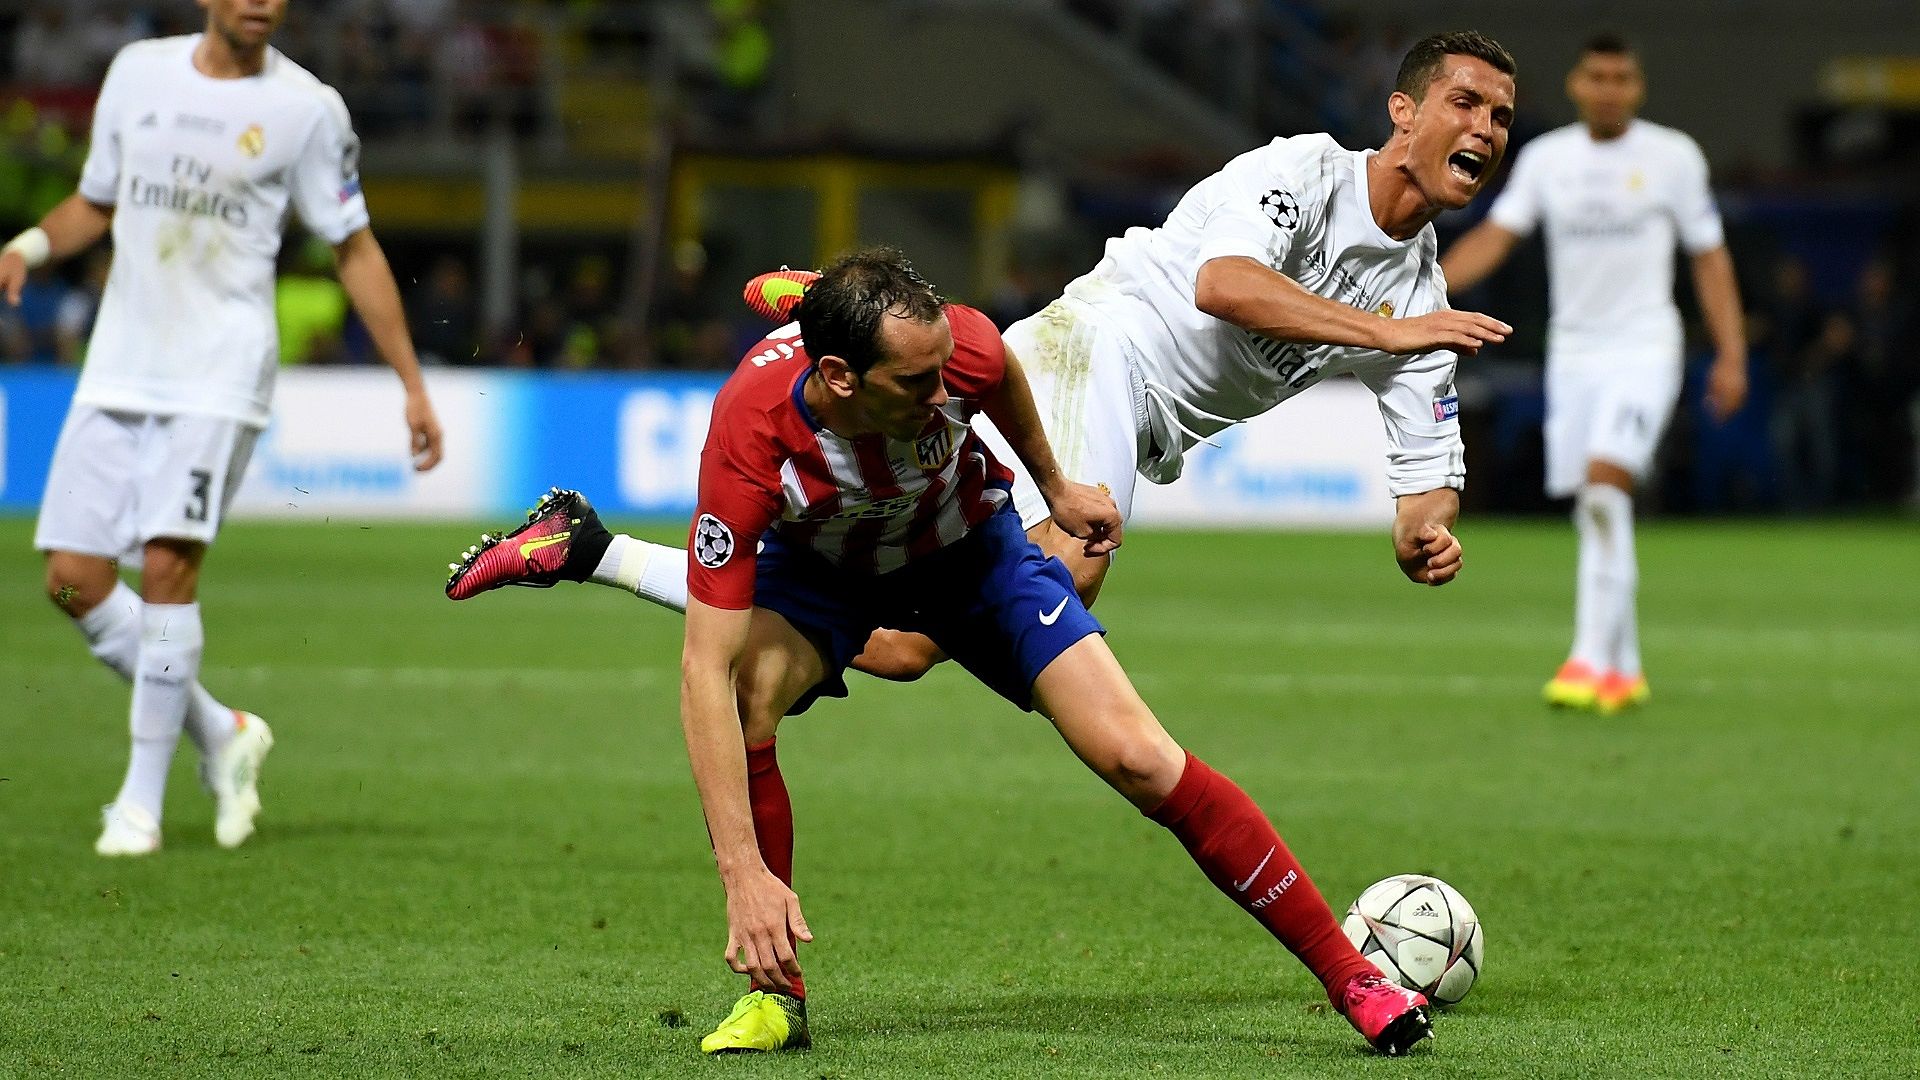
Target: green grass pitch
{"x": 482, "y": 854}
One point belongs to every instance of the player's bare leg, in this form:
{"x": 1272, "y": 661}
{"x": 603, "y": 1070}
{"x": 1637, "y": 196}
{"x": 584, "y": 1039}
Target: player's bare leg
{"x": 779, "y": 665}
{"x": 903, "y": 657}
{"x": 1096, "y": 709}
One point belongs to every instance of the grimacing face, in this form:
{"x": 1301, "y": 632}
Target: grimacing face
{"x": 245, "y": 25}
{"x": 1607, "y": 89}
{"x": 1459, "y": 130}
{"x": 900, "y": 394}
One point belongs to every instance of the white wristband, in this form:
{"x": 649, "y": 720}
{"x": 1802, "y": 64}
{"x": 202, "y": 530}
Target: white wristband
{"x": 33, "y": 246}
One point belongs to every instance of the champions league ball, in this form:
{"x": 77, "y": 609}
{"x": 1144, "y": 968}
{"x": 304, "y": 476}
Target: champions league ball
{"x": 1420, "y": 933}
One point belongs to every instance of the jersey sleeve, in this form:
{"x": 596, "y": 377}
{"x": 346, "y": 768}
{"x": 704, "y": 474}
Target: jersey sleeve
{"x": 1259, "y": 207}
{"x": 1517, "y": 209}
{"x": 100, "y": 176}
{"x": 979, "y": 362}
{"x": 326, "y": 179}
{"x": 1422, "y": 416}
{"x": 1695, "y": 216}
{"x": 738, "y": 501}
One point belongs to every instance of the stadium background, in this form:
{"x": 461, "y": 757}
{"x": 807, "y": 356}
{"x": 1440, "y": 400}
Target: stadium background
{"x": 481, "y": 853}
{"x": 572, "y": 192}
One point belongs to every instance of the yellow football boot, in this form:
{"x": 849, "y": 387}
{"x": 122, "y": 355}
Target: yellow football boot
{"x": 1618, "y": 693}
{"x": 1574, "y": 686}
{"x": 761, "y": 1022}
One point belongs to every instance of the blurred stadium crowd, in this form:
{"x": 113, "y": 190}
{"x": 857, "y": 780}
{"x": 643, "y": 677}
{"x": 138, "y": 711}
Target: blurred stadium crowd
{"x": 1828, "y": 275}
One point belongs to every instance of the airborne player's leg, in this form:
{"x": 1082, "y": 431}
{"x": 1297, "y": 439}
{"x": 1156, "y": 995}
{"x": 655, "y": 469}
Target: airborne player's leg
{"x": 1078, "y": 372}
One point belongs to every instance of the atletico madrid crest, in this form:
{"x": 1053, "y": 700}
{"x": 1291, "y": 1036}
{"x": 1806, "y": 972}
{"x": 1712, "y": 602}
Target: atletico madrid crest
{"x": 932, "y": 451}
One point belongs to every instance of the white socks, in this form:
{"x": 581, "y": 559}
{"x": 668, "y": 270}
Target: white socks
{"x": 164, "y": 676}
{"x": 1606, "y": 626}
{"x": 650, "y": 571}
{"x": 112, "y": 631}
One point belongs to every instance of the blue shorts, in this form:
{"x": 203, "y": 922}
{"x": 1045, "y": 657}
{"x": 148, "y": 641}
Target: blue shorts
{"x": 992, "y": 601}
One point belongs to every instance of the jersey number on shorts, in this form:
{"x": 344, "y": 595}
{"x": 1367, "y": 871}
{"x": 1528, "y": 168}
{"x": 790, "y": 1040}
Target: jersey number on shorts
{"x": 202, "y": 490}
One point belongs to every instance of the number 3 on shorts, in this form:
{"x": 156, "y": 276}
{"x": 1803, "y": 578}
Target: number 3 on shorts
{"x": 202, "y": 490}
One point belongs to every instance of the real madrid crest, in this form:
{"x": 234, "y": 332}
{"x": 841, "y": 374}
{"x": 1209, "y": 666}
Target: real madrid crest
{"x": 1385, "y": 310}
{"x": 253, "y": 141}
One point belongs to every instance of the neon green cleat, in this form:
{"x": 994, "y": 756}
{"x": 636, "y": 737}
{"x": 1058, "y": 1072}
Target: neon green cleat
{"x": 761, "y": 1022}
{"x": 1618, "y": 693}
{"x": 1574, "y": 686}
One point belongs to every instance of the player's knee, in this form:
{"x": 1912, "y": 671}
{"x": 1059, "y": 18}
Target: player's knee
{"x": 763, "y": 693}
{"x": 74, "y": 587}
{"x": 1144, "y": 767}
{"x": 1087, "y": 576}
{"x": 897, "y": 657}
{"x": 171, "y": 571}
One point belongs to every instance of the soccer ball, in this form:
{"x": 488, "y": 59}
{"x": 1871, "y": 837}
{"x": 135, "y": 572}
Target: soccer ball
{"x": 1420, "y": 933}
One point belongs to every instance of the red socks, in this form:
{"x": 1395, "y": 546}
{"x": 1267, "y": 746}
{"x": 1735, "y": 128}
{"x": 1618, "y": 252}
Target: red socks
{"x": 1239, "y": 851}
{"x": 772, "y": 822}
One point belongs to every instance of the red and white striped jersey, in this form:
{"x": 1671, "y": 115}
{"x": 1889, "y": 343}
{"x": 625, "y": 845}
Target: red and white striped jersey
{"x": 869, "y": 504}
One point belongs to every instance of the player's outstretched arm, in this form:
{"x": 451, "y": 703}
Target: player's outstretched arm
{"x": 1247, "y": 294}
{"x": 761, "y": 910}
{"x": 1423, "y": 540}
{"x": 1718, "y": 289}
{"x": 1475, "y": 256}
{"x": 72, "y": 226}
{"x": 369, "y": 283}
{"x": 1081, "y": 510}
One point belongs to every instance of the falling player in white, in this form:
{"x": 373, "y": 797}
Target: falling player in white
{"x": 200, "y": 145}
{"x": 1298, "y": 261}
{"x": 1613, "y": 193}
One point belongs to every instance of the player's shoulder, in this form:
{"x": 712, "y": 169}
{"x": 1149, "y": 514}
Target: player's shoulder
{"x": 973, "y": 331}
{"x": 1668, "y": 140}
{"x": 1303, "y": 158}
{"x": 979, "y": 359}
{"x": 1558, "y": 141}
{"x": 302, "y": 87}
{"x": 149, "y": 54}
{"x": 763, "y": 383}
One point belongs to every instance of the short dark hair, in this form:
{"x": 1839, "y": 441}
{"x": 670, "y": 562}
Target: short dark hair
{"x": 1607, "y": 43}
{"x": 842, "y": 312}
{"x": 1428, "y": 56}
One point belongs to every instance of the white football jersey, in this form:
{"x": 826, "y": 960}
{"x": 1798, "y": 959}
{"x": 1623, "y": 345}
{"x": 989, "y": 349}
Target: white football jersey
{"x": 1299, "y": 206}
{"x": 201, "y": 173}
{"x": 1612, "y": 212}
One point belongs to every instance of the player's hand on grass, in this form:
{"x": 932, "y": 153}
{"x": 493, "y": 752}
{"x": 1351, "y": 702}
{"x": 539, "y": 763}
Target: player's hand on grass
{"x": 13, "y": 276}
{"x": 1726, "y": 386}
{"x": 424, "y": 430}
{"x": 1463, "y": 332}
{"x": 761, "y": 914}
{"x": 1431, "y": 556}
{"x": 1087, "y": 512}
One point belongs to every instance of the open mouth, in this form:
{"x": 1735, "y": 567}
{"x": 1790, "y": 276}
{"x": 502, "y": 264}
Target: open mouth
{"x": 1468, "y": 165}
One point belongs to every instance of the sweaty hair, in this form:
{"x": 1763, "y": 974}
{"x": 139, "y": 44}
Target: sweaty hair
{"x": 842, "y": 312}
{"x": 1424, "y": 62}
{"x": 1606, "y": 44}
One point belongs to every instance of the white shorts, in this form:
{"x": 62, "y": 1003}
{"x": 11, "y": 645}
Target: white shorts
{"x": 1083, "y": 386}
{"x": 1612, "y": 409}
{"x": 120, "y": 479}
